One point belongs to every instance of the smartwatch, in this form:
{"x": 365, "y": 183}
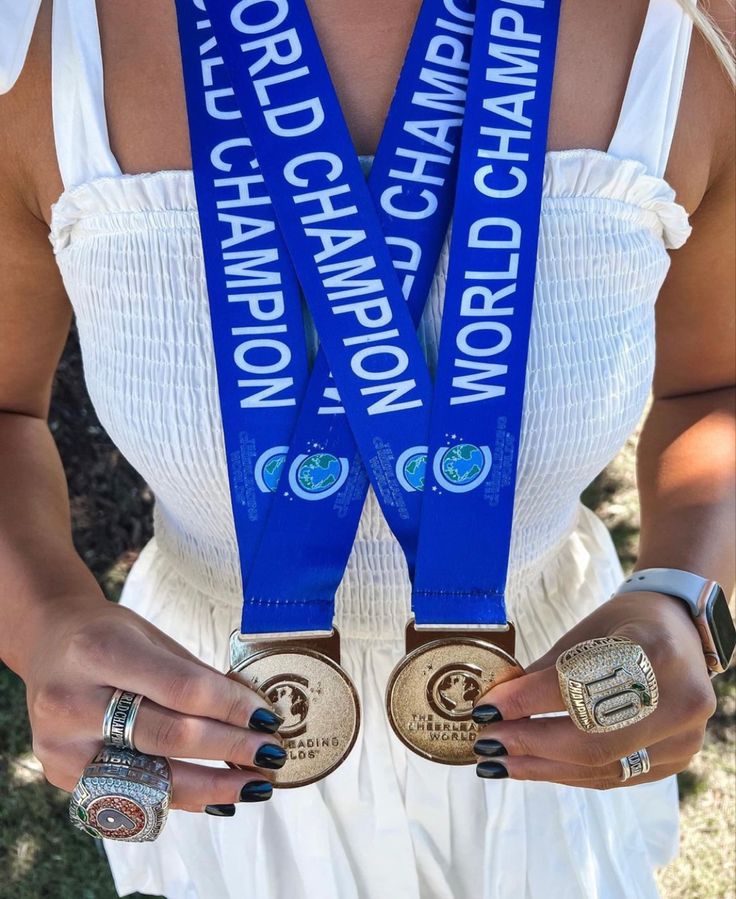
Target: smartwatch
{"x": 707, "y": 603}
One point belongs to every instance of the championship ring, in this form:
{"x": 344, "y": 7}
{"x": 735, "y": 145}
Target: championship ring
{"x": 122, "y": 795}
{"x": 432, "y": 691}
{"x": 302, "y": 678}
{"x": 606, "y": 684}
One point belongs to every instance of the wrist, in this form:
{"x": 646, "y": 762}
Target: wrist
{"x": 36, "y": 623}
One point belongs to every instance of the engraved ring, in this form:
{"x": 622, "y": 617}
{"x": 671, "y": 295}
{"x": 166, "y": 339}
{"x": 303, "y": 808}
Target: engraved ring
{"x": 635, "y": 765}
{"x": 606, "y": 684}
{"x": 119, "y": 720}
{"x": 122, "y": 795}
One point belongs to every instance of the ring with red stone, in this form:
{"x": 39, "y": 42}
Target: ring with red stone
{"x": 122, "y": 795}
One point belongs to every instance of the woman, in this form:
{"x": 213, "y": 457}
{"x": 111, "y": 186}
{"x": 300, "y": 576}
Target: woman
{"x": 106, "y": 176}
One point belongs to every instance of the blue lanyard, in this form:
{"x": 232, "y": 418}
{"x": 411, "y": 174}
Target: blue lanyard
{"x": 467, "y": 514}
{"x": 254, "y": 298}
{"x": 411, "y": 184}
{"x": 334, "y": 235}
{"x": 309, "y": 533}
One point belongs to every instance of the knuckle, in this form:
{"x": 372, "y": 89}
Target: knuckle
{"x": 94, "y": 647}
{"x": 238, "y": 705}
{"x": 512, "y": 703}
{"x": 519, "y": 743}
{"x": 240, "y": 750}
{"x": 60, "y": 779}
{"x": 693, "y": 744}
{"x": 699, "y": 702}
{"x": 173, "y": 734}
{"x": 186, "y": 690}
{"x": 52, "y": 700}
{"x": 596, "y": 754}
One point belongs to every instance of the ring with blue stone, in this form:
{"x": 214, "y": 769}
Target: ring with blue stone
{"x": 122, "y": 795}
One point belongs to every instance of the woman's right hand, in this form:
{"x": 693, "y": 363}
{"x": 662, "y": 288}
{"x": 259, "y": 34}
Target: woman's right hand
{"x": 190, "y": 710}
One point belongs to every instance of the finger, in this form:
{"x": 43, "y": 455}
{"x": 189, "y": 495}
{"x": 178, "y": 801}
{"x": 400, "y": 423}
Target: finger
{"x": 161, "y": 731}
{"x": 193, "y": 786}
{"x": 186, "y": 686}
{"x": 532, "y": 693}
{"x": 196, "y": 786}
{"x": 557, "y": 738}
{"x": 605, "y": 778}
{"x": 670, "y": 751}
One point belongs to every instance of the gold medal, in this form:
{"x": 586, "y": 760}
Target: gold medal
{"x": 432, "y": 691}
{"x": 304, "y": 682}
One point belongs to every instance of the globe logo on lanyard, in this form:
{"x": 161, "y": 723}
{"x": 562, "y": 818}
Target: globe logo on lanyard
{"x": 462, "y": 466}
{"x": 318, "y": 475}
{"x": 319, "y": 472}
{"x": 268, "y": 468}
{"x": 411, "y": 468}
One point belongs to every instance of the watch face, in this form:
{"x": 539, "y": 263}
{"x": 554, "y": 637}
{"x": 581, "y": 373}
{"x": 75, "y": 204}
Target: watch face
{"x": 721, "y": 625}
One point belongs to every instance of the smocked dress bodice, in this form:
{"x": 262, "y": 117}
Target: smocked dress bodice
{"x": 130, "y": 253}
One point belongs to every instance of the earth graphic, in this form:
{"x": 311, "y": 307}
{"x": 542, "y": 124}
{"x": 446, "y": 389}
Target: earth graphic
{"x": 272, "y": 471}
{"x": 319, "y": 472}
{"x": 291, "y": 704}
{"x": 462, "y": 463}
{"x": 415, "y": 470}
{"x": 457, "y": 692}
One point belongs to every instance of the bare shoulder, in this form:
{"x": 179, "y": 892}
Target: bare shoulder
{"x": 28, "y": 167}
{"x": 705, "y": 138}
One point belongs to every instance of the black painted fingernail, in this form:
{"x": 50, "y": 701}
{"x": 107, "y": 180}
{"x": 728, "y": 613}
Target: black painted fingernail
{"x": 270, "y": 756}
{"x": 489, "y": 748}
{"x": 491, "y": 769}
{"x": 486, "y": 714}
{"x": 220, "y": 811}
{"x": 265, "y": 721}
{"x": 256, "y": 791}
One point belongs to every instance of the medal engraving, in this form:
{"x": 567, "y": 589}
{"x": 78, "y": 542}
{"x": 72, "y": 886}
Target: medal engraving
{"x": 432, "y": 692}
{"x": 317, "y": 701}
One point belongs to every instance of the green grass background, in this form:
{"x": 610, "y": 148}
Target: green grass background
{"x": 41, "y": 855}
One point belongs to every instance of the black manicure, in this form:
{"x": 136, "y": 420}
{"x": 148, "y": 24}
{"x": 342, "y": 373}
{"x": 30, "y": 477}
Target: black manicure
{"x": 489, "y": 748}
{"x": 220, "y": 811}
{"x": 256, "y": 791}
{"x": 270, "y": 756}
{"x": 265, "y": 721}
{"x": 491, "y": 769}
{"x": 486, "y": 714}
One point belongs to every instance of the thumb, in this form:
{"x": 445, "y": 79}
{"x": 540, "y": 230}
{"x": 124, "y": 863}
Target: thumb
{"x": 532, "y": 693}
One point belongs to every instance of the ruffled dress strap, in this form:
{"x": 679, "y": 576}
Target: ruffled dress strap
{"x": 648, "y": 116}
{"x": 17, "y": 20}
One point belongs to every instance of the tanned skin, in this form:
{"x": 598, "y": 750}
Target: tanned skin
{"x": 72, "y": 647}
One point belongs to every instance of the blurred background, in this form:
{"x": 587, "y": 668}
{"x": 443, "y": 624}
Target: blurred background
{"x": 41, "y": 855}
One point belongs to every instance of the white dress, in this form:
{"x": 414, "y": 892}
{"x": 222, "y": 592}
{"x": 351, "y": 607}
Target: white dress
{"x": 387, "y": 824}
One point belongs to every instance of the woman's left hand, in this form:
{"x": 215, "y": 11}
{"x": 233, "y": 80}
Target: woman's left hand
{"x": 512, "y": 744}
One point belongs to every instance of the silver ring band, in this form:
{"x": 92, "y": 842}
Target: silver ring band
{"x": 119, "y": 720}
{"x": 635, "y": 765}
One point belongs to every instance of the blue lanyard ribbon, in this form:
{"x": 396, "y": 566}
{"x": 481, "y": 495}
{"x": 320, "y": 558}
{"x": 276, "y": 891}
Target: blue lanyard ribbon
{"x": 309, "y": 534}
{"x": 254, "y": 298}
{"x": 335, "y": 237}
{"x": 467, "y": 513}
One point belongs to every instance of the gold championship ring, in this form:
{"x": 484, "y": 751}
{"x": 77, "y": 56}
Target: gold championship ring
{"x": 607, "y": 683}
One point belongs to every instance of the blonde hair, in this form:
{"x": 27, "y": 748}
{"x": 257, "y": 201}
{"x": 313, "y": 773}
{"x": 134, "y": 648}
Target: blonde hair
{"x": 711, "y": 31}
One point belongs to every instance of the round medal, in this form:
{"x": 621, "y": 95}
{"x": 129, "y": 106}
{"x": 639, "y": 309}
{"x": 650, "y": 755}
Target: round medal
{"x": 318, "y": 703}
{"x": 432, "y": 692}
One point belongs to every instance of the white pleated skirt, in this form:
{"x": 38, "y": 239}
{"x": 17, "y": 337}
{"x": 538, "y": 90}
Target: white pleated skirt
{"x": 387, "y": 824}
